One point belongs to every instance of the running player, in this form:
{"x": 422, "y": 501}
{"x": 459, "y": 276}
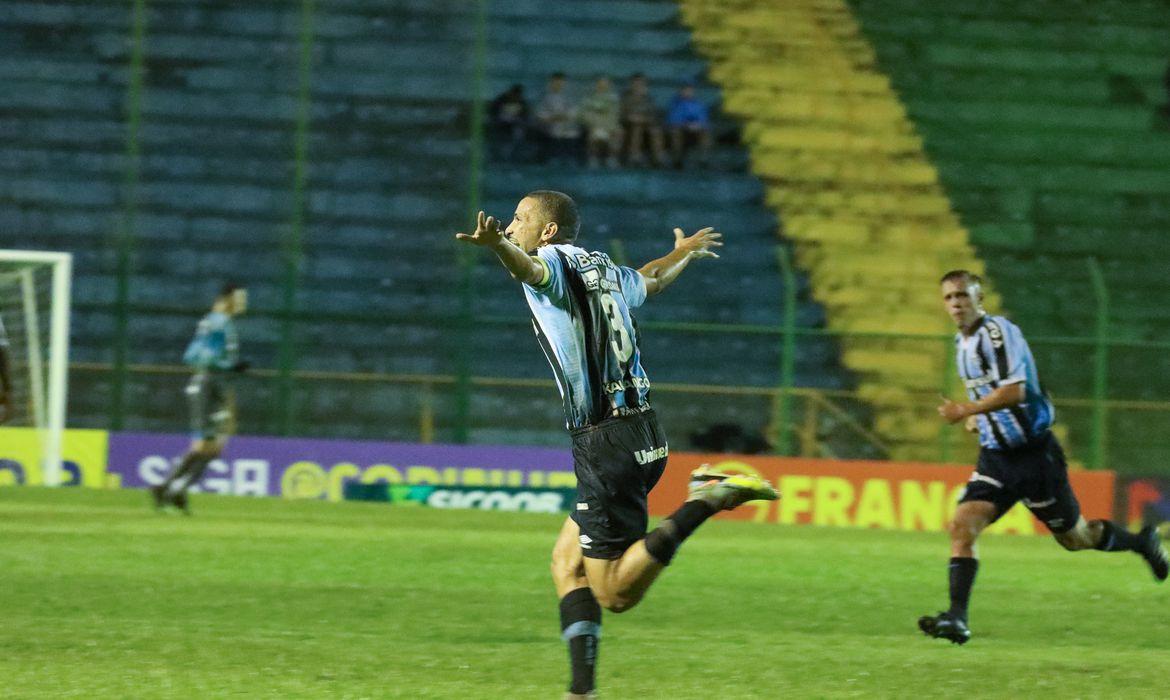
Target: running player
{"x": 214, "y": 351}
{"x": 6, "y": 408}
{"x": 581, "y": 305}
{"x": 1019, "y": 458}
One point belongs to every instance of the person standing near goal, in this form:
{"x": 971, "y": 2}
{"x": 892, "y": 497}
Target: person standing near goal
{"x": 581, "y": 306}
{"x": 213, "y": 353}
{"x": 1019, "y": 457}
{"x": 6, "y": 407}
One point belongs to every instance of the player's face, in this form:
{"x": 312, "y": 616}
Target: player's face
{"x": 527, "y": 225}
{"x": 961, "y": 300}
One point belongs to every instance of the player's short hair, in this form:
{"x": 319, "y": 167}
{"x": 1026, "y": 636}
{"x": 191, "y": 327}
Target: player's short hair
{"x": 559, "y": 208}
{"x": 961, "y": 276}
{"x": 557, "y": 76}
{"x": 229, "y": 289}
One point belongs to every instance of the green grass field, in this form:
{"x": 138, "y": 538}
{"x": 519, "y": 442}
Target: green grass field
{"x": 102, "y": 598}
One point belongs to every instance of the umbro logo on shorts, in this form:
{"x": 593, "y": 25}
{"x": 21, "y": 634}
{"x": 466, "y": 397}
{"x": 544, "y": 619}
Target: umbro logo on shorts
{"x": 652, "y": 454}
{"x": 585, "y": 540}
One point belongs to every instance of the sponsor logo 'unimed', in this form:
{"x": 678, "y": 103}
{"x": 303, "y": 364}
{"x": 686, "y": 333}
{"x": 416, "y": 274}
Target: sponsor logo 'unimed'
{"x": 652, "y": 454}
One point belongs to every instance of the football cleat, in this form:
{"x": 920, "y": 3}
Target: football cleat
{"x": 945, "y": 626}
{"x": 180, "y": 502}
{"x": 158, "y": 494}
{"x": 1154, "y": 552}
{"x": 728, "y": 491}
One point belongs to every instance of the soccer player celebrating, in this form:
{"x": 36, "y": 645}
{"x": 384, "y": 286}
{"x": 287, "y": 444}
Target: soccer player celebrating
{"x": 212, "y": 353}
{"x": 1019, "y": 458}
{"x": 6, "y": 409}
{"x": 581, "y": 305}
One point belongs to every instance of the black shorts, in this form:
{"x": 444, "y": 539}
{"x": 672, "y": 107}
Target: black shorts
{"x": 617, "y": 462}
{"x": 209, "y": 399}
{"x": 1036, "y": 474}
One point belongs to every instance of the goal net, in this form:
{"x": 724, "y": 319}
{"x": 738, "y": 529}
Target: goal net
{"x": 34, "y": 342}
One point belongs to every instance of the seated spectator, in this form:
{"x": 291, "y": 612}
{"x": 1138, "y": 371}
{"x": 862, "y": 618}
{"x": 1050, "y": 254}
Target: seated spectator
{"x": 558, "y": 120}
{"x": 641, "y": 122}
{"x": 600, "y": 114}
{"x": 689, "y": 125}
{"x": 508, "y": 121}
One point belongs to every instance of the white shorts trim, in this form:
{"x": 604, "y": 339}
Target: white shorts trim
{"x": 983, "y": 477}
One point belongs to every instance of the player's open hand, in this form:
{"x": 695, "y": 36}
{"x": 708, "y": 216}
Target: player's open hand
{"x": 487, "y": 232}
{"x": 953, "y": 412}
{"x": 700, "y": 244}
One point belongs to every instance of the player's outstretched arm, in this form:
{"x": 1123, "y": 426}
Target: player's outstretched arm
{"x": 522, "y": 266}
{"x": 661, "y": 273}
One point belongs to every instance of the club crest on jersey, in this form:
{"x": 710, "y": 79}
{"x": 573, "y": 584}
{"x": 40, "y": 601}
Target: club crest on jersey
{"x": 996, "y": 335}
{"x": 652, "y": 454}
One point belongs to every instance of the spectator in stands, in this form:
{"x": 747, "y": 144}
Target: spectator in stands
{"x": 642, "y": 122}
{"x": 508, "y": 115}
{"x": 689, "y": 124}
{"x": 558, "y": 120}
{"x": 600, "y": 115}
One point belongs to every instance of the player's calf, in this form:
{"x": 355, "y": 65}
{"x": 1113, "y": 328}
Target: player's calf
{"x": 1107, "y": 537}
{"x": 709, "y": 492}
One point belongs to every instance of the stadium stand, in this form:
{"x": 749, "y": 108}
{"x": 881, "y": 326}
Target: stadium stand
{"x": 1043, "y": 121}
{"x": 388, "y": 171}
{"x": 844, "y": 165}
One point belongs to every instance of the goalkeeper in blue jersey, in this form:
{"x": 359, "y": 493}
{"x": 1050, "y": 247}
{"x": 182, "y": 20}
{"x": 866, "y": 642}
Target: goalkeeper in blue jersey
{"x": 582, "y": 311}
{"x": 213, "y": 355}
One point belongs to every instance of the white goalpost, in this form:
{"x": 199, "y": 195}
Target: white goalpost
{"x": 35, "y": 290}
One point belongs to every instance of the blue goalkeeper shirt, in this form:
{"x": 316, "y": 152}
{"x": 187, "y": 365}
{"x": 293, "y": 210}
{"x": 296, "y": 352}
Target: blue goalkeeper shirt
{"x": 583, "y": 321}
{"x": 996, "y": 355}
{"x": 215, "y": 346}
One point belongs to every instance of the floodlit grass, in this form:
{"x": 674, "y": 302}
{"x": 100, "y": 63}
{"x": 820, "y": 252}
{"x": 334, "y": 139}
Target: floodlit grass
{"x": 102, "y": 598}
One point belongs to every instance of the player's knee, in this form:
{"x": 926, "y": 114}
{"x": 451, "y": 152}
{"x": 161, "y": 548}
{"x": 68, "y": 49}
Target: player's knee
{"x": 615, "y": 603}
{"x": 1074, "y": 540}
{"x": 963, "y": 531}
{"x": 564, "y": 567}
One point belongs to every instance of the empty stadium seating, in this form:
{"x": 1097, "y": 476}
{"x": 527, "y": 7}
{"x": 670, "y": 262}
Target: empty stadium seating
{"x": 211, "y": 197}
{"x": 1042, "y": 120}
